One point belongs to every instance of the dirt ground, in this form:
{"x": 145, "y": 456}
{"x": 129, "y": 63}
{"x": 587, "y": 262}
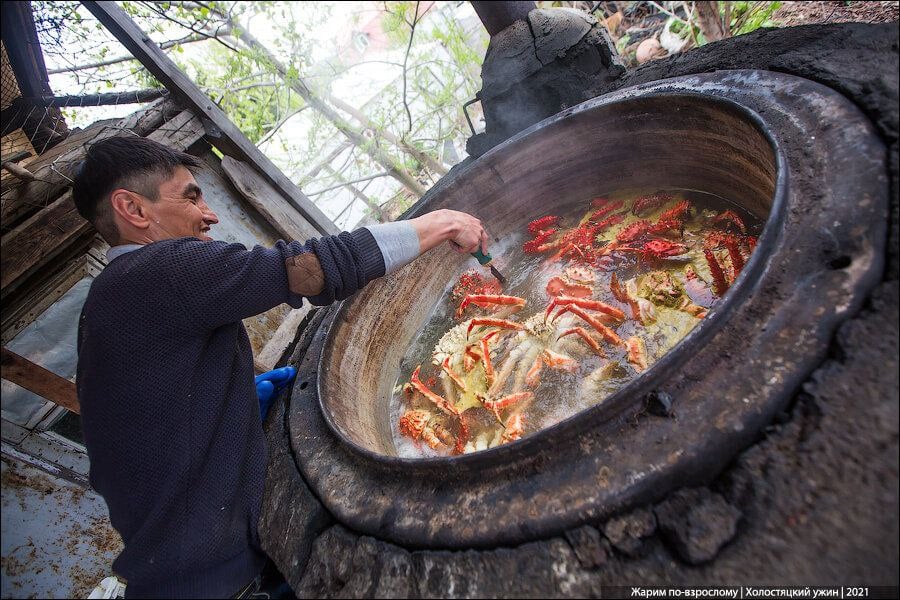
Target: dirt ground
{"x": 805, "y": 13}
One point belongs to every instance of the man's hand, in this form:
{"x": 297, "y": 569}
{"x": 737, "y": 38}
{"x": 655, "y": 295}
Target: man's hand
{"x": 269, "y": 384}
{"x": 462, "y": 230}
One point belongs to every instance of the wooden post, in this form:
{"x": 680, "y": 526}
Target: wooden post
{"x": 39, "y": 380}
{"x": 224, "y": 134}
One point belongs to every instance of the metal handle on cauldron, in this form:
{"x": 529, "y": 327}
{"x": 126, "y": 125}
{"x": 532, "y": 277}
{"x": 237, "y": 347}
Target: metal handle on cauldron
{"x": 466, "y": 113}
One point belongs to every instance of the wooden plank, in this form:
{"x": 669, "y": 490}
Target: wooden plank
{"x": 55, "y": 168}
{"x": 221, "y": 131}
{"x": 20, "y": 313}
{"x": 282, "y": 338}
{"x": 38, "y": 240}
{"x": 268, "y": 202}
{"x": 23, "y": 48}
{"x": 181, "y": 132}
{"x": 39, "y": 380}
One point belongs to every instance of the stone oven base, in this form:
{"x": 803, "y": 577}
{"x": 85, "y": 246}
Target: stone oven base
{"x": 814, "y": 502}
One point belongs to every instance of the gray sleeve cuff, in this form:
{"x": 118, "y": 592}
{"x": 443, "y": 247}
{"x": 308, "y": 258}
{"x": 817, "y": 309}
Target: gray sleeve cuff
{"x": 398, "y": 242}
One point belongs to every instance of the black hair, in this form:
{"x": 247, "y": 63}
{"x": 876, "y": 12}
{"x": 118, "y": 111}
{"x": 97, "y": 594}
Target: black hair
{"x": 123, "y": 162}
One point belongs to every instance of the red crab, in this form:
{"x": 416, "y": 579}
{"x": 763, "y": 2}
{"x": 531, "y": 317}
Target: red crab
{"x": 604, "y": 208}
{"x": 658, "y": 249}
{"x": 677, "y": 211}
{"x": 543, "y": 223}
{"x": 634, "y": 231}
{"x": 720, "y": 284}
{"x": 730, "y": 218}
{"x": 473, "y": 282}
{"x": 647, "y": 204}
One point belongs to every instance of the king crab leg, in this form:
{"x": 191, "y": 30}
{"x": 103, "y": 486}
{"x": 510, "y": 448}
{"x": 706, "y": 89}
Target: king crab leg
{"x": 581, "y": 331}
{"x": 485, "y": 300}
{"x": 622, "y": 296}
{"x": 470, "y": 359}
{"x": 486, "y": 356}
{"x": 720, "y": 284}
{"x": 515, "y": 427}
{"x": 585, "y": 303}
{"x": 449, "y": 371}
{"x": 608, "y": 334}
{"x": 438, "y": 401}
{"x": 502, "y": 323}
{"x": 495, "y": 406}
{"x": 555, "y": 360}
{"x": 734, "y": 252}
{"x": 533, "y": 376}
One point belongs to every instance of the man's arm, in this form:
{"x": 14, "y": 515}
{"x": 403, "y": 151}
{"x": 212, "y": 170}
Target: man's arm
{"x": 221, "y": 283}
{"x": 401, "y": 242}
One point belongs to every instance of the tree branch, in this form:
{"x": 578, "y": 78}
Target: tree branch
{"x": 278, "y": 125}
{"x": 119, "y": 59}
{"x": 342, "y": 184}
{"x": 412, "y": 33}
{"x": 162, "y": 13}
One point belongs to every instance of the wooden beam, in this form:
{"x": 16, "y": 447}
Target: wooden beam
{"x": 38, "y": 240}
{"x": 19, "y": 172}
{"x": 224, "y": 134}
{"x": 39, "y": 380}
{"x": 285, "y": 334}
{"x": 24, "y": 49}
{"x": 55, "y": 168}
{"x": 181, "y": 132}
{"x": 263, "y": 197}
{"x": 111, "y": 98}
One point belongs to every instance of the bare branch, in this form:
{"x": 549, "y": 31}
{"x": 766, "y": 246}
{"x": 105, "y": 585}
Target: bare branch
{"x": 412, "y": 33}
{"x": 162, "y": 13}
{"x": 119, "y": 59}
{"x": 342, "y": 184}
{"x": 278, "y": 125}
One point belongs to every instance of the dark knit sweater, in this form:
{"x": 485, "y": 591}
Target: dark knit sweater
{"x": 169, "y": 409}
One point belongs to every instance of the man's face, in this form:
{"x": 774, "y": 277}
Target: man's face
{"x": 180, "y": 210}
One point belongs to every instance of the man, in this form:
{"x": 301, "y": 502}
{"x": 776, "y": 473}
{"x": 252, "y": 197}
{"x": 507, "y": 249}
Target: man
{"x": 165, "y": 371}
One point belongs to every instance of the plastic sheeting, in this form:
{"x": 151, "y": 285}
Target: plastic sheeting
{"x": 51, "y": 342}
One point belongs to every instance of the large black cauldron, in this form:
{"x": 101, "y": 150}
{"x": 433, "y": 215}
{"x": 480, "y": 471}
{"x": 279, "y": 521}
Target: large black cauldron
{"x": 728, "y": 133}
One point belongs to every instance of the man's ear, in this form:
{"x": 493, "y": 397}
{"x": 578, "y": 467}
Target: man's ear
{"x": 129, "y": 208}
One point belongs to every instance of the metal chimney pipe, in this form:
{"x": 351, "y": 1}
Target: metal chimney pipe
{"x": 497, "y": 16}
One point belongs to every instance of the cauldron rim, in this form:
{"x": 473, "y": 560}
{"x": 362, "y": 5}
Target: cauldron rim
{"x": 638, "y": 388}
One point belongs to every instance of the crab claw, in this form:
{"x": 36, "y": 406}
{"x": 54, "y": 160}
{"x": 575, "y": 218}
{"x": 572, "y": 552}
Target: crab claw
{"x": 515, "y": 427}
{"x": 586, "y": 303}
{"x": 637, "y": 353}
{"x": 495, "y": 406}
{"x": 486, "y": 356}
{"x": 533, "y": 376}
{"x": 595, "y": 346}
{"x": 413, "y": 423}
{"x": 730, "y": 217}
{"x": 438, "y": 401}
{"x": 485, "y": 300}
{"x": 463, "y": 436}
{"x": 608, "y": 334}
{"x": 503, "y": 323}
{"x": 449, "y": 371}
{"x": 558, "y": 286}
{"x": 556, "y": 360}
{"x": 470, "y": 359}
